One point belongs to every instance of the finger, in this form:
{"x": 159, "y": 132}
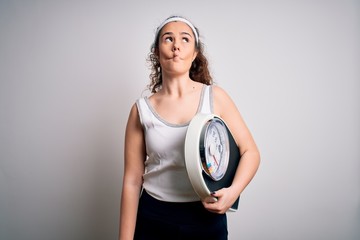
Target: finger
{"x": 217, "y": 193}
{"x": 215, "y": 207}
{"x": 210, "y": 199}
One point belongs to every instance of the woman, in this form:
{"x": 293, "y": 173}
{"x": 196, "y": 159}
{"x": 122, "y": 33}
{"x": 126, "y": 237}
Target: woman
{"x": 154, "y": 142}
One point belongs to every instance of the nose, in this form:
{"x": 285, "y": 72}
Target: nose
{"x": 175, "y": 47}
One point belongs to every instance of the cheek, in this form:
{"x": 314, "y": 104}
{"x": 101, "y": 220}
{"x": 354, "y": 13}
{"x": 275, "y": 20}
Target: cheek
{"x": 189, "y": 52}
{"x": 163, "y": 52}
{"x": 160, "y": 54}
{"x": 191, "y": 55}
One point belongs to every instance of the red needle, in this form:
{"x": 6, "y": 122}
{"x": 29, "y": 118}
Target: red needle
{"x": 215, "y": 160}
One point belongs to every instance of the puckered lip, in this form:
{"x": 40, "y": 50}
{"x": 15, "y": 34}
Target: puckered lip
{"x": 175, "y": 57}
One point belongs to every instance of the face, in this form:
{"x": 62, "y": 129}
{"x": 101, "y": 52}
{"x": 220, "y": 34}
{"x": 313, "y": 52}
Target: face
{"x": 176, "y": 48}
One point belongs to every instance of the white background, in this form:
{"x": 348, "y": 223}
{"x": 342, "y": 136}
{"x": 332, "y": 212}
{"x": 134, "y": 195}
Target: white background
{"x": 70, "y": 71}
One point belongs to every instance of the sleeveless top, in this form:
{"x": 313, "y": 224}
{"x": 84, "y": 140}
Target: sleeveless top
{"x": 165, "y": 176}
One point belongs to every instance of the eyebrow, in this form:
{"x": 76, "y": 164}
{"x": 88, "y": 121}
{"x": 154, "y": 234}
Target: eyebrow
{"x": 171, "y": 33}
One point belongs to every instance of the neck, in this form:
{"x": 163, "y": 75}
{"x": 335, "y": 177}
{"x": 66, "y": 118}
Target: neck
{"x": 177, "y": 86}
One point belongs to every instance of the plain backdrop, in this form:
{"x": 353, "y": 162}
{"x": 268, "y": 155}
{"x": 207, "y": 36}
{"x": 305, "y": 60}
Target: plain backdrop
{"x": 71, "y": 70}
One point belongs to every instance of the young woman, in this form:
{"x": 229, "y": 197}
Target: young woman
{"x": 158, "y": 201}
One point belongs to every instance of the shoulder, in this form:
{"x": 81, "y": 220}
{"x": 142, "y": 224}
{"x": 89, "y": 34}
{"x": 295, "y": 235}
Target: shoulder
{"x": 134, "y": 112}
{"x": 134, "y": 123}
{"x": 219, "y": 92}
{"x": 222, "y": 100}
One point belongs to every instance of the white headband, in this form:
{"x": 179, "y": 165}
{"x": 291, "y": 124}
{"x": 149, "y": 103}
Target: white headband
{"x": 178, "y": 19}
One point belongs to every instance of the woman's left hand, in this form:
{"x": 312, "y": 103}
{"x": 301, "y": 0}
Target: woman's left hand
{"x": 225, "y": 199}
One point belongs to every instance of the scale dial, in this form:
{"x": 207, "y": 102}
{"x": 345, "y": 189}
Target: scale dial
{"x": 215, "y": 149}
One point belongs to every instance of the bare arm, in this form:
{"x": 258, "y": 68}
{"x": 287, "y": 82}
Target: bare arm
{"x": 134, "y": 157}
{"x": 250, "y": 156}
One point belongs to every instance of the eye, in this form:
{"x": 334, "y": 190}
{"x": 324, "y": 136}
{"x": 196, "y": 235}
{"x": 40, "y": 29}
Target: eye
{"x": 168, "y": 39}
{"x": 185, "y": 39}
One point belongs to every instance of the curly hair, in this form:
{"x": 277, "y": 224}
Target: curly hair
{"x": 199, "y": 71}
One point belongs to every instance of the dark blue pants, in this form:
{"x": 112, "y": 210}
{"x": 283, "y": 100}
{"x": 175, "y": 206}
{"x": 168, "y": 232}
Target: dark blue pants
{"x": 166, "y": 220}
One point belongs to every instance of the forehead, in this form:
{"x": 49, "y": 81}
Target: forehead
{"x": 176, "y": 27}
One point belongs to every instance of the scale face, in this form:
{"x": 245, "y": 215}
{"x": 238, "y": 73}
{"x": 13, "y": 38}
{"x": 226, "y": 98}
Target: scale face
{"x": 214, "y": 149}
{"x": 211, "y": 156}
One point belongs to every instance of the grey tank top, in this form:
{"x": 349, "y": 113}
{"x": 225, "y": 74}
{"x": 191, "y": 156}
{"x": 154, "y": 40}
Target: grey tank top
{"x": 165, "y": 176}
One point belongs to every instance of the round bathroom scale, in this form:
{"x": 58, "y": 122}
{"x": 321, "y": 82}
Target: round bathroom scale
{"x": 211, "y": 156}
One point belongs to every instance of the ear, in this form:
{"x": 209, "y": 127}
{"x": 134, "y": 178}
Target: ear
{"x": 195, "y": 55}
